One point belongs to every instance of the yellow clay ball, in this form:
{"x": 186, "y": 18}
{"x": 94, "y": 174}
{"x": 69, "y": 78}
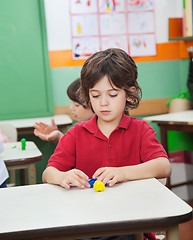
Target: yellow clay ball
{"x": 99, "y": 186}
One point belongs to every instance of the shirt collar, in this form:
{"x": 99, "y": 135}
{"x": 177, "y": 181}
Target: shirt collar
{"x": 92, "y": 127}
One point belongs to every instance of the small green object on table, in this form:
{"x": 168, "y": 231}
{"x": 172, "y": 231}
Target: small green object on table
{"x": 23, "y": 143}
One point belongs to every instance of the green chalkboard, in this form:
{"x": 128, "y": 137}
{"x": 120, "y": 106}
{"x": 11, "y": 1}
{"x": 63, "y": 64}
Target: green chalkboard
{"x": 25, "y": 84}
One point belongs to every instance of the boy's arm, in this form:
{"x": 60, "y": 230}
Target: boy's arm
{"x": 156, "y": 168}
{"x": 76, "y": 177}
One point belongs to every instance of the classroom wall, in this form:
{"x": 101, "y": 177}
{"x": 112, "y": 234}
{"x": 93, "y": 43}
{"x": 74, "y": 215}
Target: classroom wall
{"x": 165, "y": 77}
{"x": 160, "y": 77}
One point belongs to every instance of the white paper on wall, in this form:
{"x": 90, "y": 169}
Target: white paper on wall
{"x": 101, "y": 24}
{"x": 142, "y": 45}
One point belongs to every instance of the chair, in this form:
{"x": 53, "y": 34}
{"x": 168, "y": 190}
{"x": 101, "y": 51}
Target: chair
{"x": 10, "y": 132}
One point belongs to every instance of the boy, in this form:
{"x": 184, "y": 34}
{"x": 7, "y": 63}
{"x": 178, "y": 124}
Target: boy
{"x": 111, "y": 146}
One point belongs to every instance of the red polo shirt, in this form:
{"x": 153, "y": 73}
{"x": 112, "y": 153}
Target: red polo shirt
{"x": 86, "y": 148}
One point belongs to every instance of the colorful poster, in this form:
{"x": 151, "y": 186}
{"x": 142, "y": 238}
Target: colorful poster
{"x": 84, "y": 47}
{"x": 111, "y": 6}
{"x": 100, "y": 24}
{"x": 139, "y": 5}
{"x": 142, "y": 45}
{"x": 83, "y": 6}
{"x": 84, "y": 25}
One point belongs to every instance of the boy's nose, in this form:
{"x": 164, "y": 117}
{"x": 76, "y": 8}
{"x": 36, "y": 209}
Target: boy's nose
{"x": 104, "y": 101}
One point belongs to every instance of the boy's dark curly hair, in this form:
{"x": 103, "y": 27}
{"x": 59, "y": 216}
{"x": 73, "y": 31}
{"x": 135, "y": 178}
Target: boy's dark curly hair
{"x": 120, "y": 69}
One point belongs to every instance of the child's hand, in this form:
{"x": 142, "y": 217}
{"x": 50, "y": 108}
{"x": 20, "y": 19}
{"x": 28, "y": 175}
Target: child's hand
{"x": 112, "y": 174}
{"x": 46, "y": 132}
{"x": 53, "y": 136}
{"x": 75, "y": 177}
{"x": 45, "y": 128}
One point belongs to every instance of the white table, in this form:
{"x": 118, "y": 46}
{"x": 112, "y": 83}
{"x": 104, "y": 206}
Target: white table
{"x": 178, "y": 118}
{"x": 179, "y": 121}
{"x": 26, "y": 125}
{"x": 16, "y": 158}
{"x": 52, "y": 212}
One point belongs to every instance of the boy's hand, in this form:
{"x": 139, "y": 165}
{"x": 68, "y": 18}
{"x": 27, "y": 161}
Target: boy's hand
{"x": 75, "y": 177}
{"x": 112, "y": 174}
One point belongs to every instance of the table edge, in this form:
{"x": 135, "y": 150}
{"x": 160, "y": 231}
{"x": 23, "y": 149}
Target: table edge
{"x": 85, "y": 230}
{"x": 20, "y": 161}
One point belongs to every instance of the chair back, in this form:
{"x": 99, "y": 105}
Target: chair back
{"x": 9, "y": 131}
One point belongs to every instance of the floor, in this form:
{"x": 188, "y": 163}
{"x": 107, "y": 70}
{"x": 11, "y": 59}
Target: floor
{"x": 186, "y": 229}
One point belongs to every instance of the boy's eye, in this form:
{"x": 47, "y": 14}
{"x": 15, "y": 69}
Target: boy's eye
{"x": 113, "y": 95}
{"x": 76, "y": 105}
{"x": 95, "y": 96}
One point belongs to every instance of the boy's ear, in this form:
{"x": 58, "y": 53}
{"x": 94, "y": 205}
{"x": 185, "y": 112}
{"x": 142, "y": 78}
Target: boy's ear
{"x": 132, "y": 89}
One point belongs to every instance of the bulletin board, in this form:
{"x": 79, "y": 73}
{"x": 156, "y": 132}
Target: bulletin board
{"x": 25, "y": 84}
{"x": 126, "y": 24}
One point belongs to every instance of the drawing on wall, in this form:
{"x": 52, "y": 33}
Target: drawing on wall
{"x": 100, "y": 24}
{"x": 114, "y": 42}
{"x": 85, "y": 47}
{"x": 138, "y": 5}
{"x": 84, "y": 25}
{"x": 112, "y": 24}
{"x": 142, "y": 45}
{"x": 144, "y": 22}
{"x": 111, "y": 5}
{"x": 83, "y": 6}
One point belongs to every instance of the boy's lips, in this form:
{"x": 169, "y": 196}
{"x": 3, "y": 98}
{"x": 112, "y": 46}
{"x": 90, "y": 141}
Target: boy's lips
{"x": 105, "y": 112}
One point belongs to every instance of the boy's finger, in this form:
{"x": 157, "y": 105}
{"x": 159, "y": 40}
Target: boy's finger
{"x": 98, "y": 172}
{"x": 112, "y": 182}
{"x": 82, "y": 174}
{"x": 64, "y": 184}
{"x": 78, "y": 182}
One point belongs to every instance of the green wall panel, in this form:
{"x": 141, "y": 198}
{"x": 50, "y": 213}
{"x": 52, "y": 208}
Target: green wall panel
{"x": 157, "y": 80}
{"x": 25, "y": 84}
{"x": 184, "y": 70}
{"x": 61, "y": 79}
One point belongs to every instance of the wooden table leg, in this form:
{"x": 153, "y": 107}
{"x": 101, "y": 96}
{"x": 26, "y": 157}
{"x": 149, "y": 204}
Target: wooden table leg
{"x": 23, "y": 177}
{"x": 32, "y": 173}
{"x": 172, "y": 233}
{"x": 12, "y": 176}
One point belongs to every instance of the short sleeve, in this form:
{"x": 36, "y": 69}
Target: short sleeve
{"x": 65, "y": 153}
{"x": 151, "y": 148}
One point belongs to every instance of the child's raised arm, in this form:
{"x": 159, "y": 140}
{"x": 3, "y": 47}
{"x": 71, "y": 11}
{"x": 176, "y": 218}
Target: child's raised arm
{"x": 47, "y": 132}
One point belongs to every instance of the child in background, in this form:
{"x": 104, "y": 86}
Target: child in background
{"x": 3, "y": 170}
{"x": 112, "y": 146}
{"x": 80, "y": 112}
